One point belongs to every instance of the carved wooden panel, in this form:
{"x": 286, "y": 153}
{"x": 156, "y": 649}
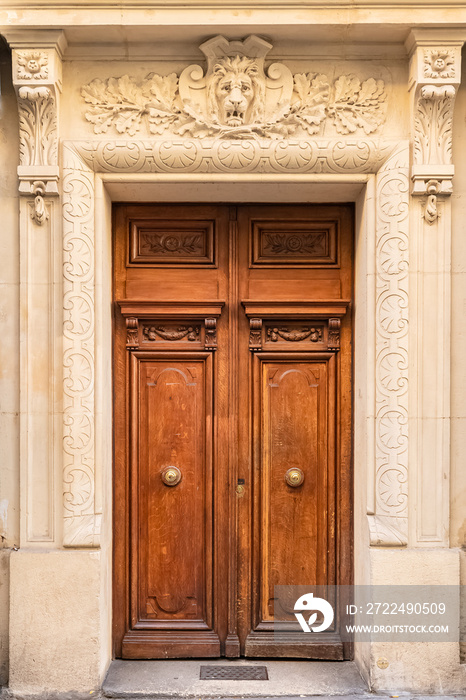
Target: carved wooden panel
{"x": 162, "y": 334}
{"x": 171, "y": 523}
{"x": 294, "y": 412}
{"x": 171, "y": 333}
{"x": 288, "y": 335}
{"x": 294, "y": 421}
{"x": 172, "y": 242}
{"x": 305, "y": 243}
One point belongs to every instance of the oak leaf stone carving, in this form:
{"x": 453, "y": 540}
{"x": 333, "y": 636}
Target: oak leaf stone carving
{"x": 236, "y": 98}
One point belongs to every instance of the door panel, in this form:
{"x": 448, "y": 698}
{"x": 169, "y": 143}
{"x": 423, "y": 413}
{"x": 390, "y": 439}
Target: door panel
{"x": 232, "y": 364}
{"x": 294, "y": 415}
{"x": 171, "y": 521}
{"x": 174, "y": 538}
{"x": 294, "y": 408}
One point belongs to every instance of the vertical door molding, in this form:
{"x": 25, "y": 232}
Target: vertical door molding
{"x": 435, "y": 74}
{"x": 82, "y": 518}
{"x": 388, "y": 482}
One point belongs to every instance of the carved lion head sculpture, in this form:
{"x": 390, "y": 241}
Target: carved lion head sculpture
{"x": 236, "y": 91}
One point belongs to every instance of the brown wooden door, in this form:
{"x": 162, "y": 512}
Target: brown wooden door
{"x": 232, "y": 372}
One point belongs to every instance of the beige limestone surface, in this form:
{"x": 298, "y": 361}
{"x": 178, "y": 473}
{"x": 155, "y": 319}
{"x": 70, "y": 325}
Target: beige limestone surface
{"x": 55, "y": 632}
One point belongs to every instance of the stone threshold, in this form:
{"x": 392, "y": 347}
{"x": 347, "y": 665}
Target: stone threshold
{"x": 180, "y": 679}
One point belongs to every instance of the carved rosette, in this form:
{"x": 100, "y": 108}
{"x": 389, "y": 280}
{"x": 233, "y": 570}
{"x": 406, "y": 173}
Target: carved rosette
{"x": 434, "y": 77}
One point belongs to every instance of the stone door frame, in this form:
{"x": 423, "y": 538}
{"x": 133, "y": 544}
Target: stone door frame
{"x": 89, "y": 167}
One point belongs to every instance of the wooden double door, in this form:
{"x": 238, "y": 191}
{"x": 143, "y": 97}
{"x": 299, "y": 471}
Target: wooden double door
{"x": 232, "y": 423}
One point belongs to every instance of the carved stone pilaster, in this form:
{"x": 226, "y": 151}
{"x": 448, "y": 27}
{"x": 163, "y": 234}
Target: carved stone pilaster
{"x": 37, "y": 80}
{"x": 435, "y": 73}
{"x": 435, "y": 64}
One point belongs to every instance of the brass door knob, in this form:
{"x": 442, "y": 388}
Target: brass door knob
{"x": 294, "y": 477}
{"x": 171, "y": 476}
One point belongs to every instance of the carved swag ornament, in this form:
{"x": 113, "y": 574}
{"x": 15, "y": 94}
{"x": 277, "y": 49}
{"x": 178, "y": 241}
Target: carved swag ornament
{"x": 235, "y": 98}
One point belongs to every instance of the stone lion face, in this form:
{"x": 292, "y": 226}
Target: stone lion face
{"x": 233, "y": 91}
{"x": 235, "y": 94}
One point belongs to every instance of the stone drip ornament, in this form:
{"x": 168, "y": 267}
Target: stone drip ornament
{"x": 236, "y": 98}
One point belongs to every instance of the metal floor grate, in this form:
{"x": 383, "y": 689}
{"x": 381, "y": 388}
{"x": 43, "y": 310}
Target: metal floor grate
{"x": 234, "y": 673}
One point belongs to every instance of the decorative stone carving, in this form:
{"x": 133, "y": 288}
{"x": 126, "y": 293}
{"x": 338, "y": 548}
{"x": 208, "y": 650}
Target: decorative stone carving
{"x": 430, "y": 210}
{"x": 388, "y": 522}
{"x": 236, "y": 98}
{"x": 434, "y": 78}
{"x": 32, "y": 65}
{"x": 219, "y": 156}
{"x": 37, "y": 81}
{"x": 81, "y": 522}
{"x": 39, "y": 214}
{"x": 439, "y": 63}
{"x": 433, "y": 124}
{"x": 435, "y": 74}
{"x": 37, "y": 126}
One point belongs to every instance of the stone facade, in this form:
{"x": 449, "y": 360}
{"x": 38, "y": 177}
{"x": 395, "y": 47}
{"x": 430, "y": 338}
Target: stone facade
{"x": 362, "y": 102}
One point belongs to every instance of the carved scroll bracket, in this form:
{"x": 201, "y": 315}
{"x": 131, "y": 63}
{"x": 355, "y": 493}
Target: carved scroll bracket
{"x": 435, "y": 74}
{"x": 173, "y": 326}
{"x": 37, "y": 78}
{"x": 309, "y": 326}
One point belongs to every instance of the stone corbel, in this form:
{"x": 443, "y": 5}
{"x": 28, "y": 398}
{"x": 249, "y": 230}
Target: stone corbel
{"x": 37, "y": 78}
{"x": 435, "y": 71}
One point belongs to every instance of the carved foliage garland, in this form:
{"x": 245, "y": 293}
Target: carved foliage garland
{"x": 236, "y": 98}
{"x": 155, "y": 103}
{"x": 81, "y": 523}
{"x": 389, "y": 525}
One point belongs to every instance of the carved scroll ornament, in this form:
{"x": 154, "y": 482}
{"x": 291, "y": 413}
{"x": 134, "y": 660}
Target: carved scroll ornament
{"x": 236, "y": 98}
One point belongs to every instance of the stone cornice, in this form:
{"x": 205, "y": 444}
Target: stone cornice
{"x": 387, "y": 22}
